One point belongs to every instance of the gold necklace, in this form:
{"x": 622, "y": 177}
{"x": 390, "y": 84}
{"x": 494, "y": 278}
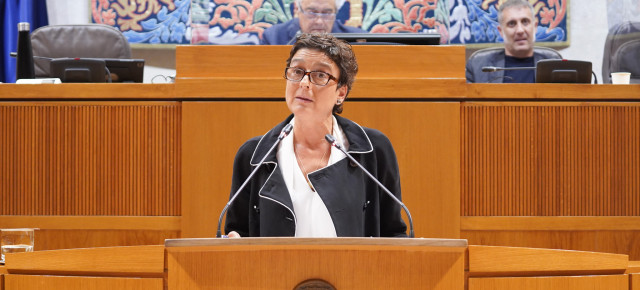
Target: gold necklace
{"x": 304, "y": 170}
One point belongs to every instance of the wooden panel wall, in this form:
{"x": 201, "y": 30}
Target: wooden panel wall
{"x": 201, "y": 72}
{"x": 550, "y": 160}
{"x": 90, "y": 159}
{"x": 424, "y": 136}
{"x": 553, "y": 175}
{"x": 91, "y": 174}
{"x": 267, "y": 62}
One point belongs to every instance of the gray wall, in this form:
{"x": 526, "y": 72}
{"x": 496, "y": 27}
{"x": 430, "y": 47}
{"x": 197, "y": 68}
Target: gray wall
{"x": 588, "y": 30}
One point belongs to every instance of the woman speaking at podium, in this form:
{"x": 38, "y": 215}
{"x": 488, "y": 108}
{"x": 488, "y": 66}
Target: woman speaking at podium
{"x": 303, "y": 186}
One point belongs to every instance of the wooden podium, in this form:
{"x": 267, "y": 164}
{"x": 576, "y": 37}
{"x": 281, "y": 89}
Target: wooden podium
{"x": 344, "y": 263}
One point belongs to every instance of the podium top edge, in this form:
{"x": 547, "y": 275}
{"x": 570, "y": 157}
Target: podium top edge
{"x": 427, "y": 242}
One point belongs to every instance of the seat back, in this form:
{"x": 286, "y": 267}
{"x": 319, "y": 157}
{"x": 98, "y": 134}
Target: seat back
{"x": 622, "y": 51}
{"x": 84, "y": 40}
{"x": 547, "y": 52}
{"x": 494, "y": 56}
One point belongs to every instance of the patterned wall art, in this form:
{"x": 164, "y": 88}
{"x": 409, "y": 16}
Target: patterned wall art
{"x": 243, "y": 21}
{"x": 476, "y": 21}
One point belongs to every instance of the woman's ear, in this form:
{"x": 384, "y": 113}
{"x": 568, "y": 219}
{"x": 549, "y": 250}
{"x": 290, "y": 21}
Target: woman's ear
{"x": 342, "y": 94}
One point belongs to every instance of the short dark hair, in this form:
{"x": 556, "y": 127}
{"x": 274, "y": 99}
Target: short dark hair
{"x": 339, "y": 51}
{"x": 515, "y": 3}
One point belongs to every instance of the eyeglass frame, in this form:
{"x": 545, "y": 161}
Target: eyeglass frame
{"x": 308, "y": 73}
{"x": 314, "y": 15}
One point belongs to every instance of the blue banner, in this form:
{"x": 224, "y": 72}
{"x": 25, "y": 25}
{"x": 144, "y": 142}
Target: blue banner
{"x": 12, "y": 12}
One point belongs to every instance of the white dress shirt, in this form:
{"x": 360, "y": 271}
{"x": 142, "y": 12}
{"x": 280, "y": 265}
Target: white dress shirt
{"x": 311, "y": 215}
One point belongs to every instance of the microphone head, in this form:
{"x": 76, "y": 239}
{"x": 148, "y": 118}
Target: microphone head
{"x": 489, "y": 68}
{"x": 287, "y": 128}
{"x": 330, "y": 138}
{"x": 285, "y": 131}
{"x": 293, "y": 39}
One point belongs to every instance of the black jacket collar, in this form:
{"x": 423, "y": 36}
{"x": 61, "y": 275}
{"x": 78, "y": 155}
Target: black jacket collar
{"x": 358, "y": 140}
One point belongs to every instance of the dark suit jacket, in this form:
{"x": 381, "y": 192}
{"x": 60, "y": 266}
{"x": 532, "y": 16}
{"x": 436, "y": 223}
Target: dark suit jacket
{"x": 495, "y": 57}
{"x": 285, "y": 33}
{"x": 357, "y": 206}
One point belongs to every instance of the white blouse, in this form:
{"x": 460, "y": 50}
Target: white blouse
{"x": 311, "y": 215}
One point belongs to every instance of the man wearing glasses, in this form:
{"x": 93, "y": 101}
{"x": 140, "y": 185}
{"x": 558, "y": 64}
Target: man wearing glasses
{"x": 314, "y": 16}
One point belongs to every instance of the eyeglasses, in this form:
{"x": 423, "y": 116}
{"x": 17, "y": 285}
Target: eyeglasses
{"x": 315, "y": 15}
{"x": 316, "y": 77}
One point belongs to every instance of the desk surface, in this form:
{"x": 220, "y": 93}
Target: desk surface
{"x": 364, "y": 89}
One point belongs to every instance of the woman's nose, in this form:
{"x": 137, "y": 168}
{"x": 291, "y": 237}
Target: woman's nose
{"x": 306, "y": 80}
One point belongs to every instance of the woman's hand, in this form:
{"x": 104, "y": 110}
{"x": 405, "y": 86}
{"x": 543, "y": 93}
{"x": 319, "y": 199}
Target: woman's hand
{"x": 233, "y": 234}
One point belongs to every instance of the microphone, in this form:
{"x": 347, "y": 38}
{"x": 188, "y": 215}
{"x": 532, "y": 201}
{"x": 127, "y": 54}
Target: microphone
{"x": 285, "y": 131}
{"x": 294, "y": 37}
{"x": 15, "y": 54}
{"x": 495, "y": 68}
{"x": 333, "y": 143}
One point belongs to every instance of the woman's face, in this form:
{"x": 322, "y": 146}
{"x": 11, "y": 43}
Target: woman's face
{"x": 306, "y": 99}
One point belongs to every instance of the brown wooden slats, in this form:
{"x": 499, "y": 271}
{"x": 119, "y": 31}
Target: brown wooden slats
{"x": 202, "y": 61}
{"x": 90, "y": 159}
{"x": 552, "y": 160}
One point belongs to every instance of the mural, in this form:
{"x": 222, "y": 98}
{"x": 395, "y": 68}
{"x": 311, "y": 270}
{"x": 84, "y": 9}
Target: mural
{"x": 476, "y": 21}
{"x": 145, "y": 21}
{"x": 243, "y": 21}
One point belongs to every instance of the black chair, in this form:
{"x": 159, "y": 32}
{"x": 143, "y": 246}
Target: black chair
{"x": 622, "y": 52}
{"x": 549, "y": 53}
{"x": 85, "y": 40}
{"x": 493, "y": 54}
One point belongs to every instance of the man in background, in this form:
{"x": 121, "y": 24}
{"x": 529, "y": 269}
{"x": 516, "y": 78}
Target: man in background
{"x": 314, "y": 16}
{"x": 517, "y": 26}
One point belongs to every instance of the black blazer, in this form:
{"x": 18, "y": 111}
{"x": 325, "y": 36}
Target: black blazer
{"x": 358, "y": 207}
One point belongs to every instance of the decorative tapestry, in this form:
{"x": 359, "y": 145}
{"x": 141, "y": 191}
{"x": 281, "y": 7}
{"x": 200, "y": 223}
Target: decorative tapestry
{"x": 243, "y": 21}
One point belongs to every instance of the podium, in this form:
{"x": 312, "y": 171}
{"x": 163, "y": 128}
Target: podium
{"x": 335, "y": 263}
{"x": 342, "y": 263}
{"x": 247, "y": 263}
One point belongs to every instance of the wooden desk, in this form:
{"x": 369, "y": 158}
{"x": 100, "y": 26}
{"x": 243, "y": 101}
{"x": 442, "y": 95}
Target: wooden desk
{"x": 529, "y": 268}
{"x": 140, "y": 267}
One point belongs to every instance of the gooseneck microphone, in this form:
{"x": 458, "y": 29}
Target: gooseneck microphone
{"x": 333, "y": 143}
{"x": 293, "y": 39}
{"x": 495, "y": 68}
{"x": 285, "y": 131}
